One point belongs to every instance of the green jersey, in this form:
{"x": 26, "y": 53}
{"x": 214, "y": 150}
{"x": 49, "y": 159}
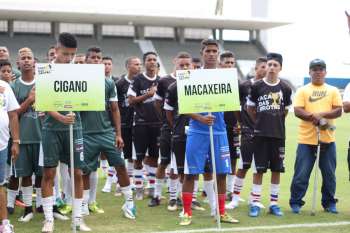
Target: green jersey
{"x": 29, "y": 121}
{"x": 100, "y": 122}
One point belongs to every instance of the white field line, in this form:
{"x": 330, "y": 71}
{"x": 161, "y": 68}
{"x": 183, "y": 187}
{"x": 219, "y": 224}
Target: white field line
{"x": 238, "y": 229}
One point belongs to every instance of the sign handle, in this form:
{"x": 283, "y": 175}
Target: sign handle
{"x": 74, "y": 230}
{"x": 212, "y": 152}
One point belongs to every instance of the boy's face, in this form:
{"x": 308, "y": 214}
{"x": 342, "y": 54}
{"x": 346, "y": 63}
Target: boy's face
{"x": 6, "y": 73}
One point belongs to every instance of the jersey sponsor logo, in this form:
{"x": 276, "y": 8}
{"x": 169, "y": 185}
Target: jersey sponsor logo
{"x": 270, "y": 101}
{"x": 317, "y": 95}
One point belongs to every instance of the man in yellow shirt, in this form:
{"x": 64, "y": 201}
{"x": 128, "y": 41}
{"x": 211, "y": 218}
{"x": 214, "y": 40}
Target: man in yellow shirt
{"x": 314, "y": 101}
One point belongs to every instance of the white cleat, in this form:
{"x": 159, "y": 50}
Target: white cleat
{"x": 48, "y": 227}
{"x": 60, "y": 216}
{"x": 232, "y": 205}
{"x": 7, "y": 228}
{"x": 129, "y": 213}
{"x": 26, "y": 218}
{"x": 80, "y": 225}
{"x": 259, "y": 204}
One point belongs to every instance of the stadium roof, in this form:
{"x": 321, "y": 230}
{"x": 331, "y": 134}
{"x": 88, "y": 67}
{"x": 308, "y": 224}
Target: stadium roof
{"x": 27, "y": 13}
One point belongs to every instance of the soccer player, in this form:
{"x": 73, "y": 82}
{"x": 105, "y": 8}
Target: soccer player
{"x": 79, "y": 59}
{"x": 51, "y": 54}
{"x": 198, "y": 146}
{"x": 108, "y": 62}
{"x": 247, "y": 133}
{"x": 147, "y": 122}
{"x": 8, "y": 121}
{"x": 100, "y": 137}
{"x": 228, "y": 60}
{"x": 56, "y": 129}
{"x": 30, "y": 136}
{"x": 177, "y": 123}
{"x": 268, "y": 104}
{"x": 313, "y": 102}
{"x": 5, "y": 55}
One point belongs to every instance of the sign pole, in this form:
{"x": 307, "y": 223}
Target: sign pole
{"x": 212, "y": 152}
{"x": 74, "y": 230}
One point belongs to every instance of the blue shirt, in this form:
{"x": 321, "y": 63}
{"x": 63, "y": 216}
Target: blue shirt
{"x": 219, "y": 126}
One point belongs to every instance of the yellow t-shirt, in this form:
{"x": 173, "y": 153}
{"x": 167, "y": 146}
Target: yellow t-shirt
{"x": 315, "y": 99}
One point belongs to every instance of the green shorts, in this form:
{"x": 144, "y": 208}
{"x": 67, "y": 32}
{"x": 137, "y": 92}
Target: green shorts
{"x": 27, "y": 162}
{"x": 96, "y": 143}
{"x": 56, "y": 147}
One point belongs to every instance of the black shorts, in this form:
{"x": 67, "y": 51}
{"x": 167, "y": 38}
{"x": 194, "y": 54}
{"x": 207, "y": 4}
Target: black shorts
{"x": 165, "y": 146}
{"x": 233, "y": 142}
{"x": 127, "y": 138}
{"x": 247, "y": 151}
{"x": 146, "y": 137}
{"x": 178, "y": 145}
{"x": 269, "y": 153}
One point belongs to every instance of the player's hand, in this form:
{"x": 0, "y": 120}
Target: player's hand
{"x": 68, "y": 119}
{"x": 316, "y": 117}
{"x": 31, "y": 95}
{"x": 119, "y": 143}
{"x": 208, "y": 119}
{"x": 152, "y": 90}
{"x": 14, "y": 151}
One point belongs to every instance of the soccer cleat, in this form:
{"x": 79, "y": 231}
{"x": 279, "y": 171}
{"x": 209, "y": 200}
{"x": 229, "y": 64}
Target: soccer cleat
{"x": 261, "y": 206}
{"x": 80, "y": 225}
{"x": 95, "y": 208}
{"x": 27, "y": 215}
{"x": 172, "y": 205}
{"x": 66, "y": 209}
{"x": 276, "y": 210}
{"x": 10, "y": 210}
{"x": 155, "y": 201}
{"x": 226, "y": 218}
{"x": 47, "y": 227}
{"x": 295, "y": 208}
{"x": 232, "y": 205}
{"x": 6, "y": 228}
{"x": 332, "y": 209}
{"x": 129, "y": 213}
{"x": 254, "y": 211}
{"x": 185, "y": 220}
{"x": 197, "y": 206}
{"x": 139, "y": 194}
{"x": 58, "y": 215}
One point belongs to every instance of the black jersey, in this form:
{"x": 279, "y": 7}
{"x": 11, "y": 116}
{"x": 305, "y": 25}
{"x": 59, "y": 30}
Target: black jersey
{"x": 126, "y": 111}
{"x": 271, "y": 101}
{"x": 162, "y": 88}
{"x": 171, "y": 104}
{"x": 247, "y": 125}
{"x": 146, "y": 113}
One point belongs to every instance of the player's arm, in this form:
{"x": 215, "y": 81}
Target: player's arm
{"x": 14, "y": 127}
{"x": 134, "y": 99}
{"x": 158, "y": 106}
{"x": 170, "y": 117}
{"x": 207, "y": 120}
{"x": 252, "y": 102}
{"x": 65, "y": 119}
{"x": 27, "y": 103}
{"x": 116, "y": 120}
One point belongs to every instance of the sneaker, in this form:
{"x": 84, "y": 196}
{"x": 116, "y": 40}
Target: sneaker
{"x": 254, "y": 211}
{"x": 85, "y": 209}
{"x": 139, "y": 194}
{"x": 58, "y": 215}
{"x": 185, "y": 220}
{"x": 226, "y": 218}
{"x": 39, "y": 209}
{"x": 95, "y": 208}
{"x": 107, "y": 188}
{"x": 10, "y": 210}
{"x": 27, "y": 215}
{"x": 276, "y": 210}
{"x": 151, "y": 192}
{"x": 172, "y": 205}
{"x": 295, "y": 208}
{"x": 6, "y": 228}
{"x": 80, "y": 225}
{"x": 331, "y": 209}
{"x": 155, "y": 201}
{"x": 232, "y": 205}
{"x": 129, "y": 213}
{"x": 66, "y": 209}
{"x": 197, "y": 206}
{"x": 47, "y": 227}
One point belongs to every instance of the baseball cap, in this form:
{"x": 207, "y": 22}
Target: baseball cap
{"x": 317, "y": 62}
{"x": 275, "y": 56}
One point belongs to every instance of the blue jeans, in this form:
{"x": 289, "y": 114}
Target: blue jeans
{"x": 3, "y": 159}
{"x": 306, "y": 156}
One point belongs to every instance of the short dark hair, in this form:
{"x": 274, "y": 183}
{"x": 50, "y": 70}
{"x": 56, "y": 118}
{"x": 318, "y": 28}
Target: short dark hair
{"x": 5, "y": 63}
{"x": 148, "y": 53}
{"x": 260, "y": 60}
{"x": 94, "y": 49}
{"x": 128, "y": 60}
{"x": 226, "y": 54}
{"x": 276, "y": 57}
{"x": 107, "y": 58}
{"x": 67, "y": 40}
{"x": 196, "y": 59}
{"x": 183, "y": 54}
{"x": 207, "y": 42}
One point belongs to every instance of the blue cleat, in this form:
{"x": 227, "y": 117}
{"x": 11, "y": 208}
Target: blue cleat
{"x": 295, "y": 208}
{"x": 276, "y": 210}
{"x": 331, "y": 209}
{"x": 254, "y": 211}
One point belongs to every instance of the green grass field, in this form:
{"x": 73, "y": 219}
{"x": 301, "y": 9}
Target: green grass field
{"x": 159, "y": 219}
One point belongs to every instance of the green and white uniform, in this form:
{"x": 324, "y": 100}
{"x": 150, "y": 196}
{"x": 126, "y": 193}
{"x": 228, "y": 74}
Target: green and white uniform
{"x": 99, "y": 135}
{"x": 30, "y": 133}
